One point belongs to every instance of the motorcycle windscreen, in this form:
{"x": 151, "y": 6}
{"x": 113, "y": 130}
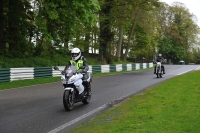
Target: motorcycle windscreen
{"x": 70, "y": 71}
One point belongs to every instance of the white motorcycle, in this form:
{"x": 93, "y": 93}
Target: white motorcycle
{"x": 71, "y": 94}
{"x": 159, "y": 70}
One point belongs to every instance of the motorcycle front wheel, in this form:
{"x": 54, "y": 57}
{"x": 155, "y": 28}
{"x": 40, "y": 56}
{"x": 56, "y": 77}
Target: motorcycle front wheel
{"x": 68, "y": 100}
{"x": 159, "y": 75}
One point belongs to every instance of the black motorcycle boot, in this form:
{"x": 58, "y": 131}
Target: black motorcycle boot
{"x": 163, "y": 69}
{"x": 81, "y": 95}
{"x": 89, "y": 92}
{"x": 88, "y": 87}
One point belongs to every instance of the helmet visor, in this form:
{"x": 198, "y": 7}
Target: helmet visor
{"x": 74, "y": 54}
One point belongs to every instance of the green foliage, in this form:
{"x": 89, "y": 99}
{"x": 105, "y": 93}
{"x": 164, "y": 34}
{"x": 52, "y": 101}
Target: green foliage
{"x": 144, "y": 44}
{"x": 170, "y": 50}
{"x": 182, "y": 32}
{"x": 196, "y": 57}
{"x": 17, "y": 20}
{"x": 95, "y": 24}
{"x": 58, "y": 19}
{"x": 141, "y": 37}
{"x": 58, "y": 58}
{"x": 34, "y": 61}
{"x": 46, "y": 21}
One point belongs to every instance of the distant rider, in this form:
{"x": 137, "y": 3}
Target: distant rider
{"x": 162, "y": 60}
{"x": 79, "y": 61}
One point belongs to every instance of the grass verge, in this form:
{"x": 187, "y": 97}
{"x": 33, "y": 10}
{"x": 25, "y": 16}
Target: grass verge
{"x": 27, "y": 82}
{"x": 171, "y": 107}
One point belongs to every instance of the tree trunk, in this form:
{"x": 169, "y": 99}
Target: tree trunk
{"x": 105, "y": 31}
{"x": 121, "y": 27}
{"x": 95, "y": 42}
{"x": 87, "y": 43}
{"x": 2, "y": 44}
{"x": 13, "y": 25}
{"x": 130, "y": 37}
{"x": 119, "y": 45}
{"x": 66, "y": 43}
{"x": 103, "y": 43}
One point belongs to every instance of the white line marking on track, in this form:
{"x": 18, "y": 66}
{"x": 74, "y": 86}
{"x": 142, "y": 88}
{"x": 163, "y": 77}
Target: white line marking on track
{"x": 77, "y": 119}
{"x": 185, "y": 72}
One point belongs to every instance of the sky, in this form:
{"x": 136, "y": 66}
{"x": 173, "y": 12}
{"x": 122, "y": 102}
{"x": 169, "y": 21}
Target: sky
{"x": 191, "y": 5}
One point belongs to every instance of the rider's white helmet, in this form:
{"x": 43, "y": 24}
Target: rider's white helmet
{"x": 160, "y": 55}
{"x": 75, "y": 53}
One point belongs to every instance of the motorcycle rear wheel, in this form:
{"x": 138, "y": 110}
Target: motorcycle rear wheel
{"x": 68, "y": 100}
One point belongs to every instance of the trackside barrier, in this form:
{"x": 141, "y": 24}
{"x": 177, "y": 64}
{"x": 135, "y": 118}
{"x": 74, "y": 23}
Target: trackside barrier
{"x": 42, "y": 72}
{"x": 12, "y": 74}
{"x": 96, "y": 69}
{"x": 4, "y": 74}
{"x": 21, "y": 73}
{"x": 112, "y": 68}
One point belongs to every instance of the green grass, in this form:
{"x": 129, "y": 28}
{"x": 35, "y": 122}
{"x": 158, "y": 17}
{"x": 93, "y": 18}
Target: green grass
{"x": 27, "y": 82}
{"x": 170, "y": 107}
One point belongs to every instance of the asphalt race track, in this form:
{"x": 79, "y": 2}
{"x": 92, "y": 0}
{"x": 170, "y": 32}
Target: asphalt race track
{"x": 39, "y": 109}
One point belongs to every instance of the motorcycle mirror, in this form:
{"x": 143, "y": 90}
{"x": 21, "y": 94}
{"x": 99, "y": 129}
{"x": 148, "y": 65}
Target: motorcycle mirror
{"x": 62, "y": 72}
{"x": 55, "y": 68}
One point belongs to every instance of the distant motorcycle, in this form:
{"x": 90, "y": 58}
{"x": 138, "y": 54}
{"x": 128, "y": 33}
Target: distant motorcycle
{"x": 159, "y": 70}
{"x": 71, "y": 94}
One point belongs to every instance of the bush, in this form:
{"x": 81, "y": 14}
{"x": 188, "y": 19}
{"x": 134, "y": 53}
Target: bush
{"x": 57, "y": 60}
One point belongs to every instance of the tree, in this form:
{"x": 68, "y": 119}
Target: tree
{"x": 180, "y": 35}
{"x": 105, "y": 30}
{"x": 23, "y": 20}
{"x": 2, "y": 44}
{"x": 141, "y": 10}
{"x": 16, "y": 23}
